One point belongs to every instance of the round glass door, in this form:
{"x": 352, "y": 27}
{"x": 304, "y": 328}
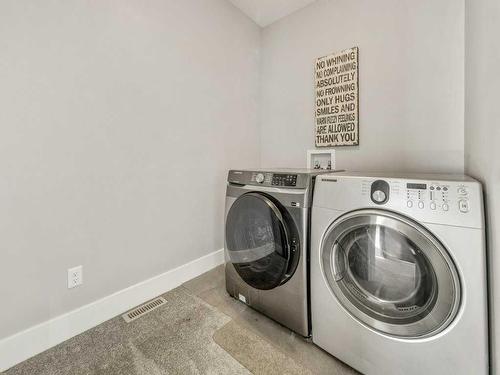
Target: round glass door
{"x": 257, "y": 241}
{"x": 390, "y": 273}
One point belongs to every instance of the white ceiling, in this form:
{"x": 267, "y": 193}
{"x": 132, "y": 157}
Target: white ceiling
{"x": 265, "y": 12}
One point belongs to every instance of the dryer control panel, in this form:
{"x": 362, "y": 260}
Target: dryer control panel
{"x": 438, "y": 196}
{"x": 434, "y": 198}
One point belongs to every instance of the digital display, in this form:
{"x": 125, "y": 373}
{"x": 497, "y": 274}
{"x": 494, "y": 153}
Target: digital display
{"x": 284, "y": 179}
{"x": 416, "y": 186}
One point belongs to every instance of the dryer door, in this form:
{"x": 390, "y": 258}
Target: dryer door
{"x": 258, "y": 241}
{"x": 390, "y": 273}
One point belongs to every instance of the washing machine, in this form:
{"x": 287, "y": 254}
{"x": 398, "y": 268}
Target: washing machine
{"x": 267, "y": 242}
{"x": 398, "y": 275}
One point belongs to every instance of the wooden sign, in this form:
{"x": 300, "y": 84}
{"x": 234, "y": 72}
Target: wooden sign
{"x": 337, "y": 99}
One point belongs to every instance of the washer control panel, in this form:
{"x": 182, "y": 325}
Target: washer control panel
{"x": 284, "y": 179}
{"x": 275, "y": 179}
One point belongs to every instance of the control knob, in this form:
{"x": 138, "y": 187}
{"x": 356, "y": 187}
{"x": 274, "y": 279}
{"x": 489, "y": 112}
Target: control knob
{"x": 378, "y": 196}
{"x": 380, "y": 192}
{"x": 260, "y": 178}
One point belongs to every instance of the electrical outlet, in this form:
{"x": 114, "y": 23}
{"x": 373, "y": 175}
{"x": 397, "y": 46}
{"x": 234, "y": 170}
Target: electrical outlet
{"x": 75, "y": 276}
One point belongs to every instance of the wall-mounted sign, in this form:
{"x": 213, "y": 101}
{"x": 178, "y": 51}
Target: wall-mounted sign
{"x": 337, "y": 99}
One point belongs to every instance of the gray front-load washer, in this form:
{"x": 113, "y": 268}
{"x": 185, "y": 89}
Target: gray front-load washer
{"x": 267, "y": 242}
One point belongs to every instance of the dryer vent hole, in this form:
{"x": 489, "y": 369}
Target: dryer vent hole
{"x": 408, "y": 308}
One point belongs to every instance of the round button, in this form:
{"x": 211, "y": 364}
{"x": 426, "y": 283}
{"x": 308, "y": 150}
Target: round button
{"x": 445, "y": 207}
{"x": 420, "y": 204}
{"x": 433, "y": 206}
{"x": 259, "y": 178}
{"x": 378, "y": 196}
{"x": 409, "y": 204}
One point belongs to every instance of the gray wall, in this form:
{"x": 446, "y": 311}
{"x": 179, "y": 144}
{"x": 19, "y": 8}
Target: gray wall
{"x": 119, "y": 120}
{"x": 411, "y": 82}
{"x": 482, "y": 134}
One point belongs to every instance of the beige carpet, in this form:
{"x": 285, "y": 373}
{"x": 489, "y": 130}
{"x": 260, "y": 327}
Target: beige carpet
{"x": 256, "y": 354}
{"x": 200, "y": 330}
{"x": 173, "y": 339}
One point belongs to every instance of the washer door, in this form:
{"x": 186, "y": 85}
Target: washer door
{"x": 258, "y": 241}
{"x": 390, "y": 273}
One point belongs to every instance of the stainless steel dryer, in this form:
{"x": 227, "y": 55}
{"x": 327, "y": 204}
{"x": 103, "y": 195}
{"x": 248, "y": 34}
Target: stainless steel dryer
{"x": 267, "y": 242}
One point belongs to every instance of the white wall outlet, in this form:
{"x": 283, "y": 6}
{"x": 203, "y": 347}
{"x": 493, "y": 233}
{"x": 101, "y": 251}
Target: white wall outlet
{"x": 75, "y": 276}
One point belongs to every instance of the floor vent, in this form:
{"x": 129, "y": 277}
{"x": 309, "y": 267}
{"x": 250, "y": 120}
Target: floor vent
{"x": 144, "y": 309}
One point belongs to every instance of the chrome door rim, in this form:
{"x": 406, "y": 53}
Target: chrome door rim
{"x": 448, "y": 293}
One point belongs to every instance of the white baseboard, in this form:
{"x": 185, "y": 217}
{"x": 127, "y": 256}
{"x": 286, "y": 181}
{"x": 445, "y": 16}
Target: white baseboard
{"x": 23, "y": 345}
